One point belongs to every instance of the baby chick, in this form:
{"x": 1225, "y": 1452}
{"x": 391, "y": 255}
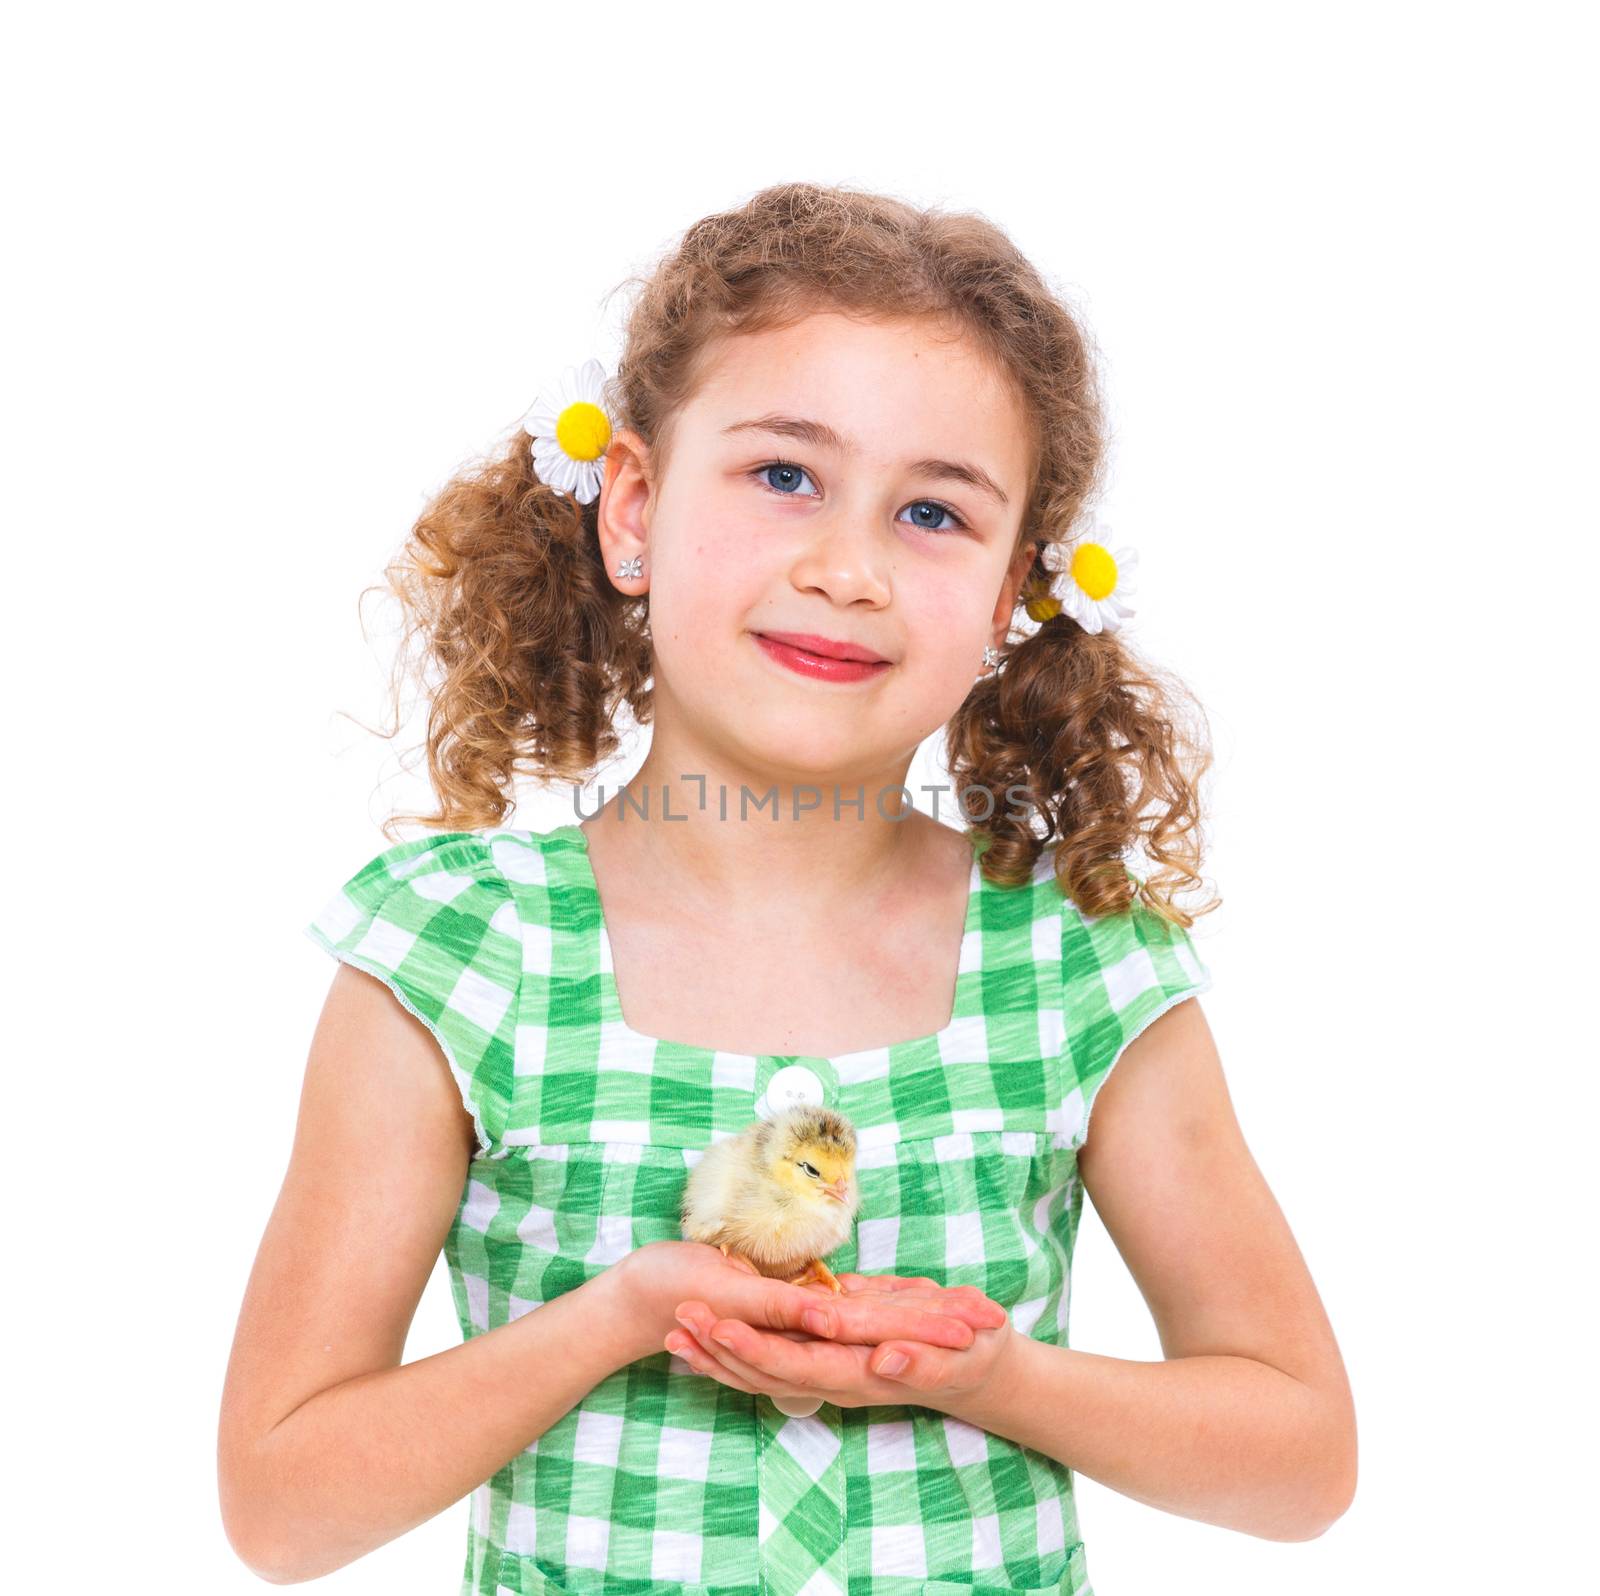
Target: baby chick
{"x": 780, "y": 1194}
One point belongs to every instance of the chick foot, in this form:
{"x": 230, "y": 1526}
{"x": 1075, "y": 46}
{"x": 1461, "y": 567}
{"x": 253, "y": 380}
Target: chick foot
{"x": 728, "y": 1252}
{"x": 818, "y": 1271}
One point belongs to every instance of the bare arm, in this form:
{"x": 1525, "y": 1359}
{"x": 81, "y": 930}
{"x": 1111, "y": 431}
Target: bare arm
{"x": 328, "y": 1446}
{"x": 365, "y": 1461}
{"x": 1249, "y": 1421}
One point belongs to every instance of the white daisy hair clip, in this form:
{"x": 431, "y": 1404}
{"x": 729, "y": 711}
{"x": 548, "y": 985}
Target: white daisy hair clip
{"x": 570, "y": 425}
{"x": 1097, "y": 585}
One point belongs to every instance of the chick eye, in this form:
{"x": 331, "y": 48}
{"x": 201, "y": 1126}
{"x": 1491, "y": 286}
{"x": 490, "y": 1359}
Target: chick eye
{"x": 809, "y": 1169}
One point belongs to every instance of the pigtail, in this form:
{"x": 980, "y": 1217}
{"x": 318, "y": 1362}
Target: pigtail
{"x": 1076, "y": 732}
{"x": 512, "y": 628}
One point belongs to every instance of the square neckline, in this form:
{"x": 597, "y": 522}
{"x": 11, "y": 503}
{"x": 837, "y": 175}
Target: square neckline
{"x": 970, "y": 929}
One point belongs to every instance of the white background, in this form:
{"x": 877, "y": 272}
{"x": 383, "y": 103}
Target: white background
{"x": 276, "y": 271}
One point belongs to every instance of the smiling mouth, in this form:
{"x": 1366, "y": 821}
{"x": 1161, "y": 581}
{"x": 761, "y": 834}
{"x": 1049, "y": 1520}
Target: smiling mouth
{"x": 805, "y": 657}
{"x": 825, "y": 647}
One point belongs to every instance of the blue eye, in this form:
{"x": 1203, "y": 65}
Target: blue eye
{"x": 787, "y": 471}
{"x": 942, "y": 509}
{"x": 789, "y": 475}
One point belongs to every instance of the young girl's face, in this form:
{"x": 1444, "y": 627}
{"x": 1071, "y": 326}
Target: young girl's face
{"x": 894, "y": 532}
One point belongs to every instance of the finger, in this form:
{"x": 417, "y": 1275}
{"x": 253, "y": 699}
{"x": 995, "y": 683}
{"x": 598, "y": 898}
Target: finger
{"x": 977, "y": 1299}
{"x": 764, "y": 1301}
{"x": 965, "y": 1299}
{"x": 876, "y": 1285}
{"x": 869, "y": 1318}
{"x": 783, "y": 1367}
{"x": 683, "y": 1345}
{"x": 858, "y": 1320}
{"x": 924, "y": 1369}
{"x": 966, "y": 1302}
{"x": 698, "y": 1321}
{"x": 914, "y": 1307}
{"x": 855, "y": 1317}
{"x": 737, "y": 1367}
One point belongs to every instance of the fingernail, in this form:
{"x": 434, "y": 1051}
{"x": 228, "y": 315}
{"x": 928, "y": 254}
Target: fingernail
{"x": 723, "y": 1341}
{"x": 815, "y": 1321}
{"x": 892, "y": 1364}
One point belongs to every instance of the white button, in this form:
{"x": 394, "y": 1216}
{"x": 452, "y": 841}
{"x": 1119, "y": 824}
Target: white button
{"x": 792, "y": 1085}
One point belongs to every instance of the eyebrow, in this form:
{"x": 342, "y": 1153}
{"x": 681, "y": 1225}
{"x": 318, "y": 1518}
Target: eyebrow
{"x": 821, "y": 436}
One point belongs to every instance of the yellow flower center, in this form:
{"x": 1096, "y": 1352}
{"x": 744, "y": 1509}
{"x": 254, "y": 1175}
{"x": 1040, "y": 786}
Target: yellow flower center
{"x": 583, "y": 431}
{"x": 1094, "y": 570}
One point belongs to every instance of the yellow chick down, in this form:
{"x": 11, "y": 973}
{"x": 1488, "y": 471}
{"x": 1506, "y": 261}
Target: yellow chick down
{"x": 781, "y": 1194}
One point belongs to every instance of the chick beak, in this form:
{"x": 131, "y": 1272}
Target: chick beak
{"x": 835, "y": 1188}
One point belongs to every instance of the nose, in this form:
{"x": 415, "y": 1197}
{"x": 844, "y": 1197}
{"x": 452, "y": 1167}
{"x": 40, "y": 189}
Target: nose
{"x": 844, "y": 560}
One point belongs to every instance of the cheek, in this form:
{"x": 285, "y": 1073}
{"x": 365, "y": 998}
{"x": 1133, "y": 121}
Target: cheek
{"x": 708, "y": 578}
{"x": 947, "y": 622}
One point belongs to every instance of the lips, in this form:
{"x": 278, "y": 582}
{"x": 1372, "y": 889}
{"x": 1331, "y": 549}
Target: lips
{"x": 826, "y": 647}
{"x": 804, "y": 654}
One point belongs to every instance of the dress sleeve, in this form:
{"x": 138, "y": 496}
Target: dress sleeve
{"x": 1119, "y": 972}
{"x": 435, "y": 920}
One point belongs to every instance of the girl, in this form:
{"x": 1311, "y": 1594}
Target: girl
{"x": 846, "y": 456}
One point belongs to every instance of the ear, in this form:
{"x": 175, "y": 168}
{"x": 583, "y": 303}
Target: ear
{"x": 623, "y": 513}
{"x": 1010, "y": 590}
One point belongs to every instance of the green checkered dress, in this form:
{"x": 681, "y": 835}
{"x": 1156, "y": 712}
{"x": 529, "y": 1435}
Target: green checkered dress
{"x": 665, "y": 1480}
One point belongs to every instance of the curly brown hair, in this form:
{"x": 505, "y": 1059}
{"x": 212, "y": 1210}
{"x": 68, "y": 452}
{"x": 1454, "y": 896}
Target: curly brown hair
{"x": 535, "y": 650}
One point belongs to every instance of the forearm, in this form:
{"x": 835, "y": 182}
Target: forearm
{"x": 1226, "y": 1440}
{"x": 366, "y": 1460}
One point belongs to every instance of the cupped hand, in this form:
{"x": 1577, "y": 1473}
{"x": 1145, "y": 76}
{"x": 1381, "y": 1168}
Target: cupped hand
{"x": 847, "y": 1356}
{"x": 655, "y": 1280}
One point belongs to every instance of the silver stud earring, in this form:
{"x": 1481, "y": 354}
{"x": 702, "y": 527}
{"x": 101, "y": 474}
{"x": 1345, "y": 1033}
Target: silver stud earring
{"x": 633, "y": 567}
{"x": 990, "y": 657}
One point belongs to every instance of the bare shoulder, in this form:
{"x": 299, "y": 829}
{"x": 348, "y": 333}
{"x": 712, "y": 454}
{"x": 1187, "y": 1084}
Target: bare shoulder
{"x": 1170, "y": 1175}
{"x": 1165, "y": 1091}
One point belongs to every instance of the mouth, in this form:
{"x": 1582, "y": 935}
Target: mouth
{"x": 825, "y": 647}
{"x": 823, "y": 658}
